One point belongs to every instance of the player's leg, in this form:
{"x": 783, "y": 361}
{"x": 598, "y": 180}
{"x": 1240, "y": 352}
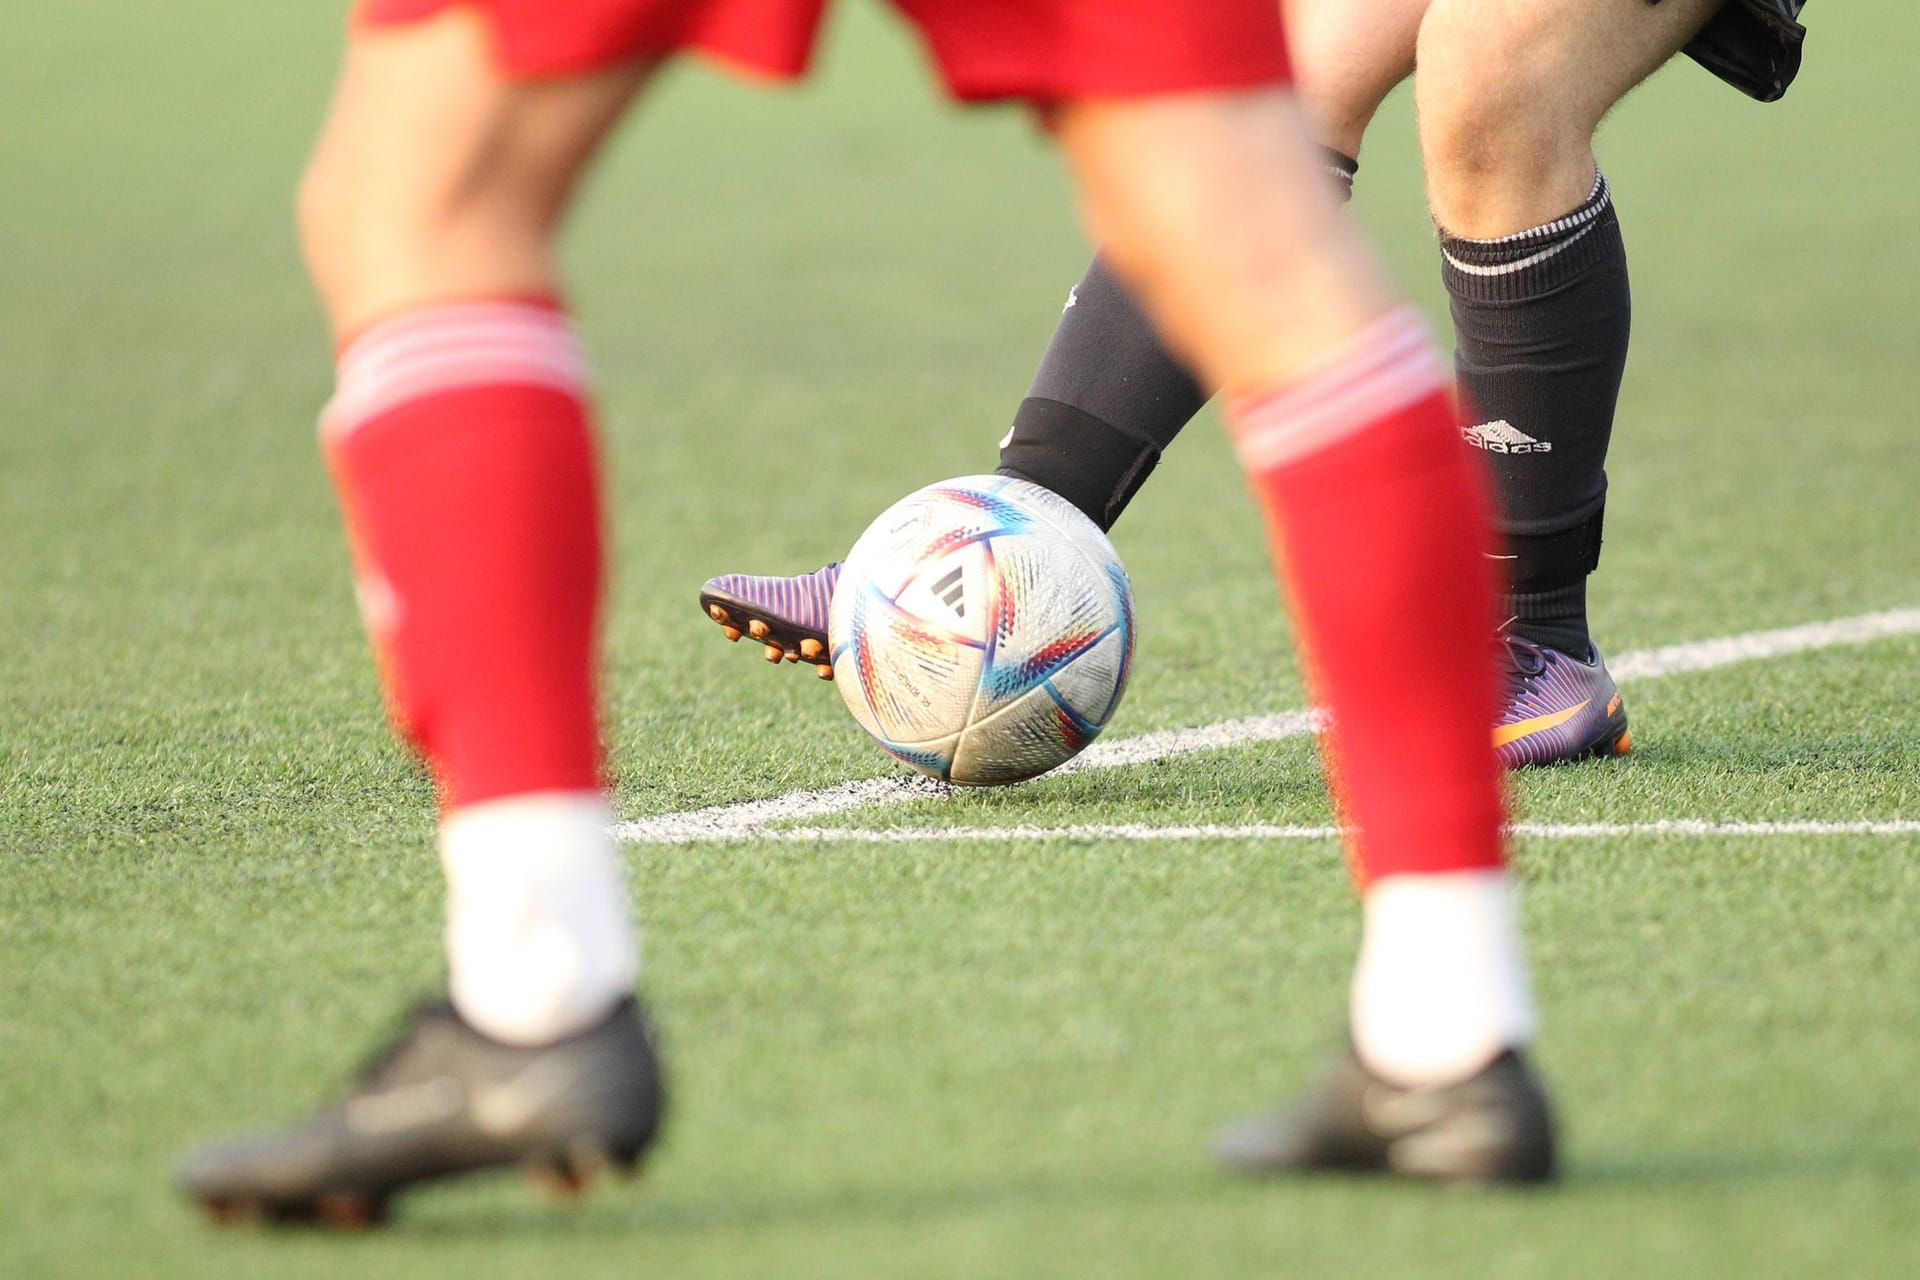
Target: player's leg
{"x": 460, "y": 437}
{"x": 460, "y": 441}
{"x": 1510, "y": 93}
{"x": 1108, "y": 398}
{"x": 437, "y": 178}
{"x": 1339, "y": 404}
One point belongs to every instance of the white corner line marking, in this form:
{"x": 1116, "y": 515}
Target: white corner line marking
{"x": 755, "y": 819}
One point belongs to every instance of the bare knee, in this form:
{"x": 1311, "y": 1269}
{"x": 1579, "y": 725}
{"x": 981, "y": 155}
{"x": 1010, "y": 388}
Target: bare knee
{"x": 1341, "y": 106}
{"x": 1506, "y": 126}
{"x": 1347, "y": 56}
{"x": 380, "y": 233}
{"x": 435, "y": 178}
{"x": 331, "y": 214}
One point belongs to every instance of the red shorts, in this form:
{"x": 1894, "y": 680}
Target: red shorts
{"x": 1040, "y": 50}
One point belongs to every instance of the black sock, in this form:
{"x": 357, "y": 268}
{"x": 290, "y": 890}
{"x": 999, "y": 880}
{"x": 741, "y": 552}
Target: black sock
{"x": 1541, "y": 320}
{"x": 1105, "y": 401}
{"x": 1108, "y": 397}
{"x": 1341, "y": 167}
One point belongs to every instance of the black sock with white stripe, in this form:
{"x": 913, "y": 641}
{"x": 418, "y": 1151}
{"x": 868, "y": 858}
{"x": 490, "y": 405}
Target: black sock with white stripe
{"x": 1108, "y": 397}
{"x": 1541, "y": 320}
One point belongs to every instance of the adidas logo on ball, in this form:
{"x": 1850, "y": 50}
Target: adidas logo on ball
{"x": 953, "y": 590}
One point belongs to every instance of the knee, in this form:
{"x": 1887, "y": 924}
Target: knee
{"x": 378, "y": 235}
{"x": 356, "y": 224}
{"x": 1496, "y": 92}
{"x": 361, "y": 216}
{"x": 1348, "y": 55}
{"x": 1341, "y": 109}
{"x": 324, "y": 217}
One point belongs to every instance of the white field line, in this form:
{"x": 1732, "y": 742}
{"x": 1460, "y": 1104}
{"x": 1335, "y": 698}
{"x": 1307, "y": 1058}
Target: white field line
{"x": 1263, "y": 831}
{"x": 1704, "y": 655}
{"x": 752, "y": 819}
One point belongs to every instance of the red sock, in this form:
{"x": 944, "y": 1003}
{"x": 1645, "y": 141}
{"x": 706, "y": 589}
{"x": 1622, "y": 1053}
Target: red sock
{"x": 1380, "y": 525}
{"x": 460, "y": 443}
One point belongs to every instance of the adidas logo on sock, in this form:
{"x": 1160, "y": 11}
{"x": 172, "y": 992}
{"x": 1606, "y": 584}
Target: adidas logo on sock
{"x": 951, "y": 589}
{"x": 1502, "y": 436}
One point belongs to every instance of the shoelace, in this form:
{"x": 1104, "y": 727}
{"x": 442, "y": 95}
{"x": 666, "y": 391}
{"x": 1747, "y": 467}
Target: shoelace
{"x": 1525, "y": 657}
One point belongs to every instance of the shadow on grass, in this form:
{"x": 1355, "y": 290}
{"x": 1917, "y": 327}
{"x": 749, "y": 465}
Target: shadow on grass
{"x": 1048, "y": 1195}
{"x": 1731, "y": 1168}
{"x": 619, "y": 1210}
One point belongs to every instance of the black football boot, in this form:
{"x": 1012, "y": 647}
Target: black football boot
{"x": 1494, "y": 1126}
{"x": 442, "y": 1100}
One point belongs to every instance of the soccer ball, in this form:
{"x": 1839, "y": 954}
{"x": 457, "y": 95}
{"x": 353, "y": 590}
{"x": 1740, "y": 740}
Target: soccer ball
{"x": 982, "y": 630}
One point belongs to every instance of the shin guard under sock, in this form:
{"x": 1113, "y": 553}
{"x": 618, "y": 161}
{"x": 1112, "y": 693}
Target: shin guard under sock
{"x": 1379, "y": 514}
{"x": 1542, "y": 319}
{"x": 460, "y": 444}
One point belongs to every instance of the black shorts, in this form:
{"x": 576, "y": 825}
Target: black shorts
{"x": 1754, "y": 45}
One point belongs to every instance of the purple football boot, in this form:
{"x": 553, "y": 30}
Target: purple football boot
{"x": 787, "y": 615}
{"x": 1558, "y": 708}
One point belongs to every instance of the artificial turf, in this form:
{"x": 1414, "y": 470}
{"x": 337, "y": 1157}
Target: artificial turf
{"x": 950, "y": 1057}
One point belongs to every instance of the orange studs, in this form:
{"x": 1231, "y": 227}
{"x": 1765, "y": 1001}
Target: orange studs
{"x": 560, "y": 1180}
{"x": 344, "y": 1211}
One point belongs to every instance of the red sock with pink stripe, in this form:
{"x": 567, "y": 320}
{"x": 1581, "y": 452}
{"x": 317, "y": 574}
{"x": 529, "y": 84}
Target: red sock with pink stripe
{"x": 460, "y": 442}
{"x": 1378, "y": 516}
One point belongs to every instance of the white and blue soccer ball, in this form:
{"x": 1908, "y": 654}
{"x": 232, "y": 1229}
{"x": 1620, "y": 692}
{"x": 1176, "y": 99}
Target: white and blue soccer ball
{"x": 982, "y": 630}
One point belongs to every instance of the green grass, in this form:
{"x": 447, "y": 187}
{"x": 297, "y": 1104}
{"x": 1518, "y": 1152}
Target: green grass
{"x": 943, "y": 1059}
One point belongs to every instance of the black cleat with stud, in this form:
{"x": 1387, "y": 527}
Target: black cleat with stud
{"x": 442, "y": 1100}
{"x": 1494, "y": 1126}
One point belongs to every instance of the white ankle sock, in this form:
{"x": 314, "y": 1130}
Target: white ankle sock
{"x": 539, "y": 943}
{"x": 1441, "y": 987}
